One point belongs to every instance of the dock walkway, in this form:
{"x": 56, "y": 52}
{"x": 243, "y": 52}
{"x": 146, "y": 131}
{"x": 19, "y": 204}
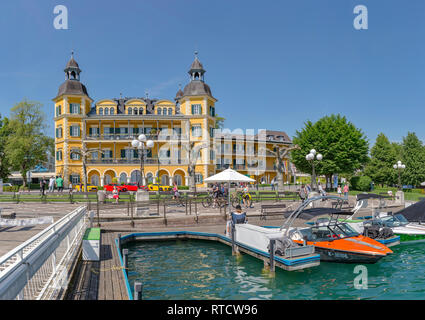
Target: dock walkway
{"x": 100, "y": 280}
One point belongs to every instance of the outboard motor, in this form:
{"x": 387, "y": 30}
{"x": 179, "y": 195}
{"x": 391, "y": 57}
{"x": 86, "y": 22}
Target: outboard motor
{"x": 281, "y": 245}
{"x": 371, "y": 231}
{"x": 386, "y": 233}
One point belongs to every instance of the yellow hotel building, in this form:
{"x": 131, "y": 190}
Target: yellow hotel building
{"x": 106, "y": 128}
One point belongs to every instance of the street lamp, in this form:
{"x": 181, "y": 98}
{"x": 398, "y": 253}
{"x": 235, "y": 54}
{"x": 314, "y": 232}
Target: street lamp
{"x": 399, "y": 166}
{"x": 310, "y": 157}
{"x": 141, "y": 143}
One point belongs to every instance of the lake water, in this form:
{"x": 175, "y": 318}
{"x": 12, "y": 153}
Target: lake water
{"x": 198, "y": 269}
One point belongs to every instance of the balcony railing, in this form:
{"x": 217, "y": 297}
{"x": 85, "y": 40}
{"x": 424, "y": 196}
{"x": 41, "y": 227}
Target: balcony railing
{"x": 126, "y": 136}
{"x": 147, "y": 161}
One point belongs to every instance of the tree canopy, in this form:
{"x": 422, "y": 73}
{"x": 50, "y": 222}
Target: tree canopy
{"x": 413, "y": 156}
{"x": 343, "y": 146}
{"x": 27, "y": 145}
{"x": 383, "y": 156}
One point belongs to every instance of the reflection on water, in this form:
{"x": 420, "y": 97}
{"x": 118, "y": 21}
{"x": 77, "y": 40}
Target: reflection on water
{"x": 196, "y": 269}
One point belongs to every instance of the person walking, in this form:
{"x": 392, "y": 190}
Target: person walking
{"x": 346, "y": 191}
{"x": 59, "y": 184}
{"x": 115, "y": 195}
{"x": 339, "y": 191}
{"x": 42, "y": 186}
{"x": 52, "y": 184}
{"x": 272, "y": 183}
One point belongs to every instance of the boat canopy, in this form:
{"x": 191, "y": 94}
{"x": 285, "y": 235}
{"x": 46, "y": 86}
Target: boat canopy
{"x": 308, "y": 214}
{"x": 363, "y": 196}
{"x": 414, "y": 212}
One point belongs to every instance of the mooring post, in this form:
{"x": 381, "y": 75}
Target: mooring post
{"x": 125, "y": 260}
{"x": 119, "y": 243}
{"x": 233, "y": 240}
{"x": 271, "y": 263}
{"x": 138, "y": 287}
{"x": 91, "y": 217}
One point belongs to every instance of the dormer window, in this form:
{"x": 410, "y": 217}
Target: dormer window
{"x": 130, "y": 110}
{"x": 111, "y": 111}
{"x": 106, "y": 111}
{"x": 159, "y": 111}
{"x": 101, "y": 111}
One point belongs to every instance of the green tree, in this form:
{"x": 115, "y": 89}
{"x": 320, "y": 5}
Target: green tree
{"x": 5, "y": 131}
{"x": 343, "y": 146}
{"x": 383, "y": 156}
{"x": 27, "y": 145}
{"x": 413, "y": 156}
{"x": 219, "y": 122}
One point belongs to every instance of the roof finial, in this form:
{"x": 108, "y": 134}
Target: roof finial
{"x": 196, "y": 54}
{"x": 180, "y": 86}
{"x": 147, "y": 94}
{"x": 120, "y": 95}
{"x": 72, "y": 54}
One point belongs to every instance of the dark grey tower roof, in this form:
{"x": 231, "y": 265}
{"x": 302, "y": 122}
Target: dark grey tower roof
{"x": 72, "y": 63}
{"x": 72, "y": 87}
{"x": 196, "y": 88}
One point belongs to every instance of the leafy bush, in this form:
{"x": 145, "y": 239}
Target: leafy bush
{"x": 364, "y": 183}
{"x": 183, "y": 187}
{"x": 11, "y": 189}
{"x": 354, "y": 182}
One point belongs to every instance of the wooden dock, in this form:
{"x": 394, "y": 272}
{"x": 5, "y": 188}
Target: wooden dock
{"x": 100, "y": 280}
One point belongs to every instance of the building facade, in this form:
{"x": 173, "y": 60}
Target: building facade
{"x": 98, "y": 135}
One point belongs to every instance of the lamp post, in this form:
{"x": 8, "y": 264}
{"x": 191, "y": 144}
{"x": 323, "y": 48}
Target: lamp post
{"x": 399, "y": 166}
{"x": 310, "y": 158}
{"x": 141, "y": 143}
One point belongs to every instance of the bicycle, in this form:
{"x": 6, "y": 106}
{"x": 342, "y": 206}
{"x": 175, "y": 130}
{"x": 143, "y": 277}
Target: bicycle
{"x": 238, "y": 198}
{"x": 210, "y": 200}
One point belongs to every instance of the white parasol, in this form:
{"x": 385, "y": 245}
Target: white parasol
{"x": 229, "y": 175}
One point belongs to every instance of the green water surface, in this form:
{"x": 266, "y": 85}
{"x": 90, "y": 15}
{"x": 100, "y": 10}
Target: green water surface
{"x": 197, "y": 269}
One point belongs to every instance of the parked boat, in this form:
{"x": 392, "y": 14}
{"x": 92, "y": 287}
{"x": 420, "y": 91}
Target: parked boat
{"x": 334, "y": 240}
{"x": 377, "y": 225}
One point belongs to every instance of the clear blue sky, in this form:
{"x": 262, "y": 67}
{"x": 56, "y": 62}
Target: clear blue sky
{"x": 270, "y": 64}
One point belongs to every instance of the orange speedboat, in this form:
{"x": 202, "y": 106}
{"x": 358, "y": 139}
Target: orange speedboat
{"x": 334, "y": 240}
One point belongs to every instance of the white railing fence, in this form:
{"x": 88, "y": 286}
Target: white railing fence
{"x": 39, "y": 268}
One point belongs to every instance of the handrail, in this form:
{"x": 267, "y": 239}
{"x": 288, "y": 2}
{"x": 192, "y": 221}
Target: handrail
{"x": 39, "y": 235}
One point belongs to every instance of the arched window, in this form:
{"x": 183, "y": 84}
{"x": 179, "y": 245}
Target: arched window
{"x": 111, "y": 111}
{"x": 140, "y": 110}
{"x": 149, "y": 178}
{"x": 94, "y": 180}
{"x": 159, "y": 110}
{"x": 165, "y": 180}
{"x": 136, "y": 177}
{"x": 101, "y": 111}
{"x": 130, "y": 110}
{"x": 135, "y": 110}
{"x": 106, "y": 111}
{"x": 123, "y": 177}
{"x": 170, "y": 111}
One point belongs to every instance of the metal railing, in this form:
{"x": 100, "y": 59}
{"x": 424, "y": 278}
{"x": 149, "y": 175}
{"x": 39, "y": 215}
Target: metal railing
{"x": 38, "y": 269}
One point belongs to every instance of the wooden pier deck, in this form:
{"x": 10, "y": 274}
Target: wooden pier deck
{"x": 100, "y": 280}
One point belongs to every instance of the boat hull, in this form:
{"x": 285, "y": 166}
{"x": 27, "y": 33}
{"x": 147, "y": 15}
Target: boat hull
{"x": 330, "y": 255}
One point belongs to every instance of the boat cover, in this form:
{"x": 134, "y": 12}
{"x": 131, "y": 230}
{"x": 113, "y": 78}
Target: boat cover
{"x": 414, "y": 212}
{"x": 362, "y": 196}
{"x": 308, "y": 214}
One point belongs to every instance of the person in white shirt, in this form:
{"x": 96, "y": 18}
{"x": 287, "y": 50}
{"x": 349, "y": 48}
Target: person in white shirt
{"x": 52, "y": 184}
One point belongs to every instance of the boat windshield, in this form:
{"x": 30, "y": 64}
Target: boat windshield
{"x": 344, "y": 230}
{"x": 394, "y": 221}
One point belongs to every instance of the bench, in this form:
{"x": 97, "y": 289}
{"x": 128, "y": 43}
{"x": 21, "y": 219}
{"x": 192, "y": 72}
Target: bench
{"x": 271, "y": 209}
{"x": 268, "y": 195}
{"x": 11, "y": 215}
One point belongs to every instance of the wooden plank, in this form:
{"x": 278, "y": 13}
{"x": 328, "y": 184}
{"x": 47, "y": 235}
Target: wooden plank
{"x": 101, "y": 292}
{"x": 118, "y": 271}
{"x": 106, "y": 270}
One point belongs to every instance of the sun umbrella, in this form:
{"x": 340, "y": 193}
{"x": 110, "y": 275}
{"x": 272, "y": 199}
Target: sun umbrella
{"x": 229, "y": 175}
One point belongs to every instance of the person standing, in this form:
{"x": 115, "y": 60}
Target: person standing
{"x": 115, "y": 194}
{"x": 59, "y": 184}
{"x": 339, "y": 191}
{"x": 52, "y": 184}
{"x": 346, "y": 191}
{"x": 272, "y": 183}
{"x": 302, "y": 193}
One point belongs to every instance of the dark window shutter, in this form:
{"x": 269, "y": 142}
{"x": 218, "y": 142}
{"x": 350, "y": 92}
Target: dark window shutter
{"x": 122, "y": 153}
